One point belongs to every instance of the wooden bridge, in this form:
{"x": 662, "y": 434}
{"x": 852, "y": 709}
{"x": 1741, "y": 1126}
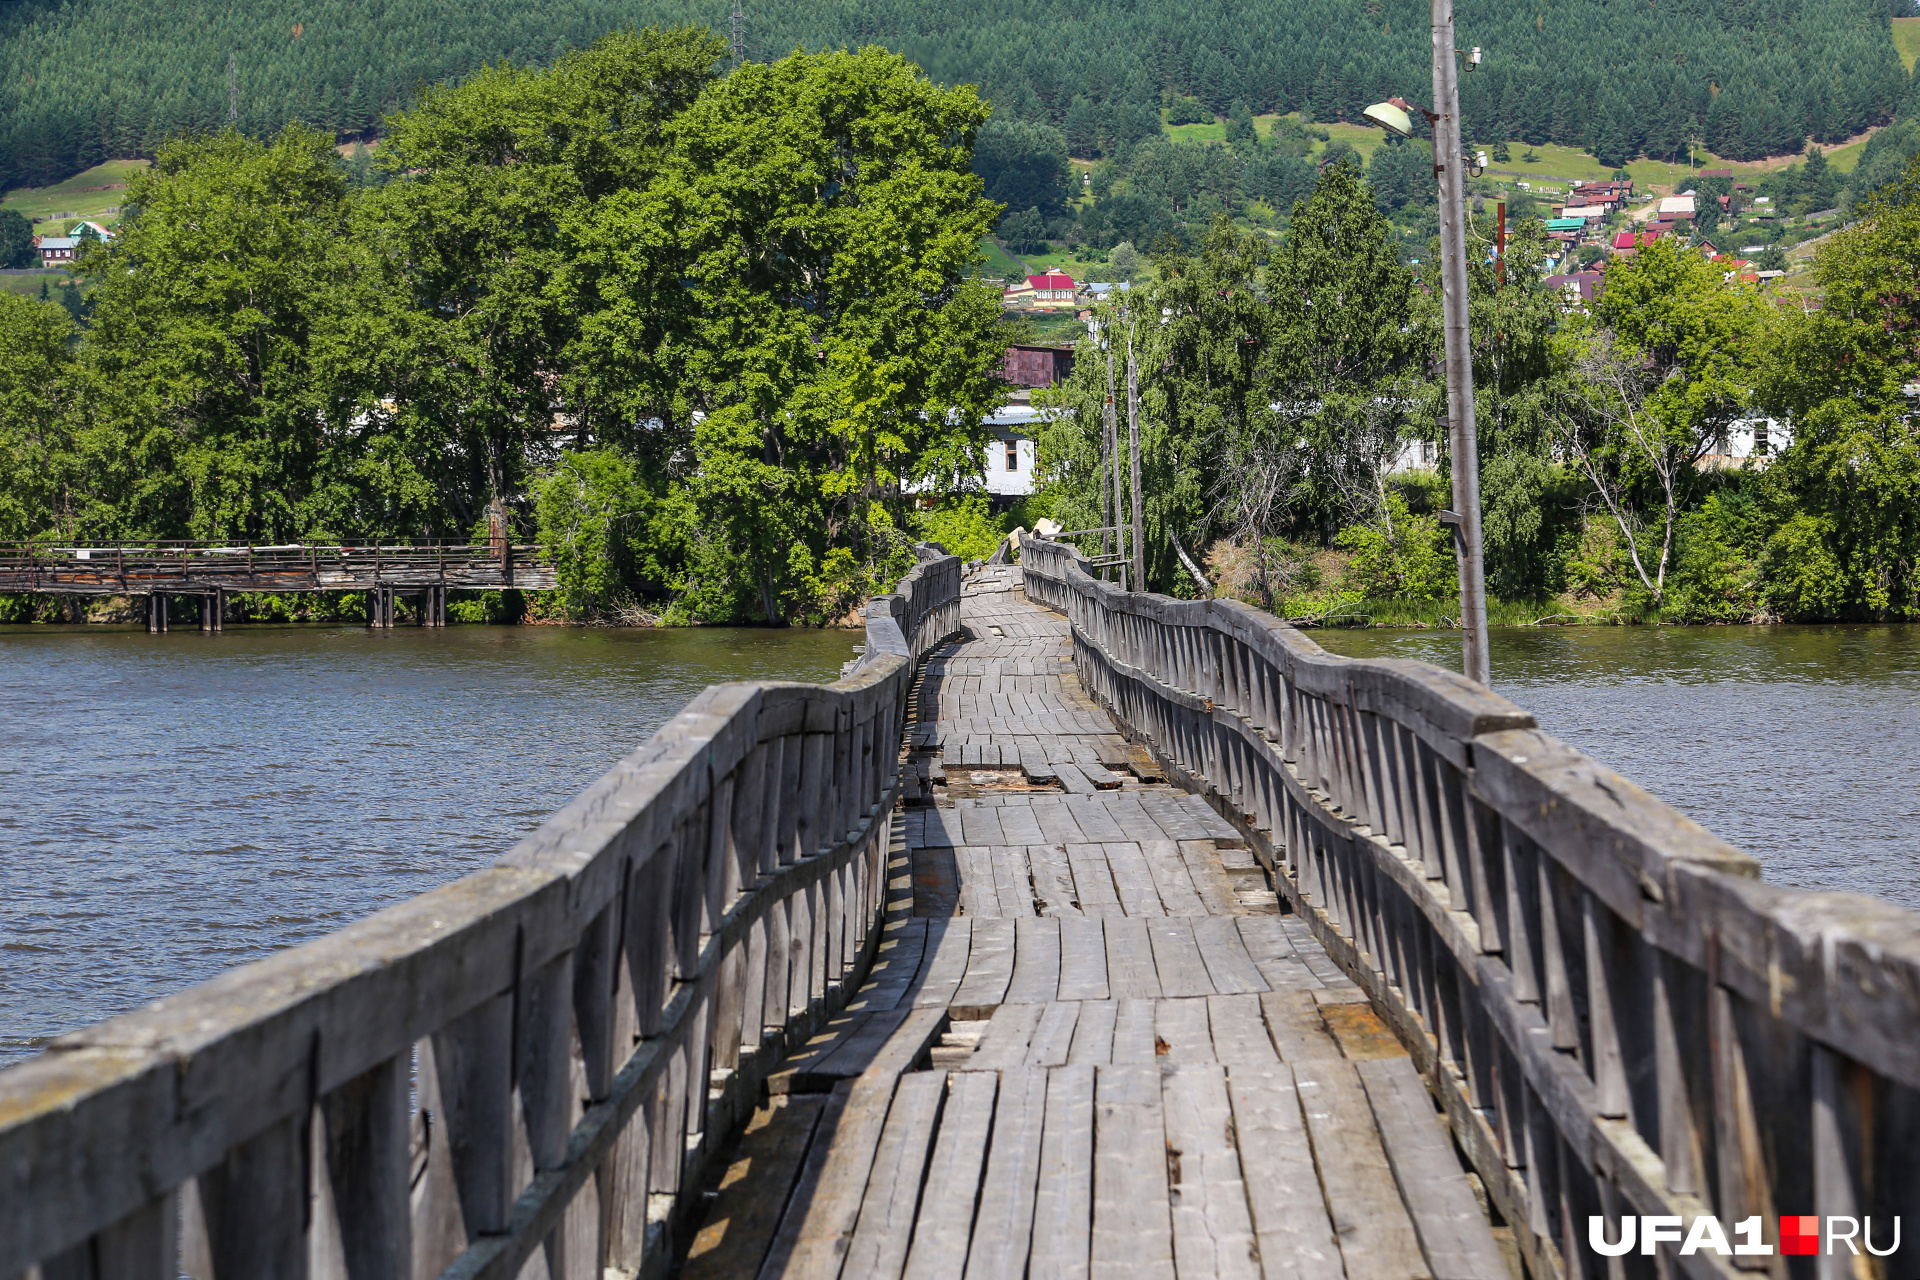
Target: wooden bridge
{"x": 210, "y": 572}
{"x": 1076, "y": 932}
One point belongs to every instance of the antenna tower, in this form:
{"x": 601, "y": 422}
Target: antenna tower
{"x": 739, "y": 34}
{"x": 233, "y": 89}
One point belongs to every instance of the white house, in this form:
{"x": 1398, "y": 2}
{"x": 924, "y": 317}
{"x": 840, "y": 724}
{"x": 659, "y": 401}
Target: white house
{"x": 1011, "y": 456}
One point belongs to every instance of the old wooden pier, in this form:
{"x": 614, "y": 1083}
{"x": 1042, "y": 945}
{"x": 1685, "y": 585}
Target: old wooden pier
{"x": 1075, "y": 933}
{"x": 207, "y": 573}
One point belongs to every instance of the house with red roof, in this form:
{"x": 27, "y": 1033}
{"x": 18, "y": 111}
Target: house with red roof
{"x": 1628, "y": 243}
{"x": 1052, "y": 286}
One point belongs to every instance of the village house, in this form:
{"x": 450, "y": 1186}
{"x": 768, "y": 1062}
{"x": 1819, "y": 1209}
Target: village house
{"x": 1628, "y": 243}
{"x": 1677, "y": 208}
{"x": 1052, "y": 286}
{"x": 1578, "y": 286}
{"x": 57, "y": 251}
{"x": 61, "y": 251}
{"x": 1608, "y": 195}
{"x": 1036, "y": 366}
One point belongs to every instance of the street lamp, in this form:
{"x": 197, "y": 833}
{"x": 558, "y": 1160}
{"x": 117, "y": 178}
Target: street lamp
{"x": 1449, "y": 161}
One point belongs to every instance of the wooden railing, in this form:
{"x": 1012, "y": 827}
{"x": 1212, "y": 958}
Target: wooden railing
{"x": 534, "y": 1059}
{"x": 193, "y": 568}
{"x": 1616, "y": 1014}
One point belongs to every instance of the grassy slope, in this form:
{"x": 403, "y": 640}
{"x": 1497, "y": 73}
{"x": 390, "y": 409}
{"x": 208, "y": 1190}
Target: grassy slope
{"x": 72, "y": 197}
{"x": 1906, "y": 38}
{"x": 1565, "y": 165}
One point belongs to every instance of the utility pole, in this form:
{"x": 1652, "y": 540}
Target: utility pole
{"x": 233, "y": 90}
{"x": 1449, "y": 144}
{"x": 1109, "y": 462}
{"x": 1133, "y": 456}
{"x": 739, "y": 34}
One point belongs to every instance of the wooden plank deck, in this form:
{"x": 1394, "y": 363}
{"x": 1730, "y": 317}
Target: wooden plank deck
{"x": 1091, "y": 1045}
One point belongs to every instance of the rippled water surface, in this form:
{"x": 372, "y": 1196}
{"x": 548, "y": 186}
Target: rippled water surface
{"x": 171, "y": 806}
{"x": 1801, "y": 745}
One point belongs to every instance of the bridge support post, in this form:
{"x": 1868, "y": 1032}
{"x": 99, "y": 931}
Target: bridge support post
{"x": 156, "y": 613}
{"x": 219, "y": 609}
{"x": 213, "y": 609}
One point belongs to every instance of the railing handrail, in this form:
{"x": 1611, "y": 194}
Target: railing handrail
{"x": 754, "y": 793}
{"x": 1400, "y": 799}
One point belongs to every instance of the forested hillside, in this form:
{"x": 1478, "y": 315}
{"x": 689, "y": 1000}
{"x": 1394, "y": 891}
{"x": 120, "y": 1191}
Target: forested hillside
{"x": 86, "y": 80}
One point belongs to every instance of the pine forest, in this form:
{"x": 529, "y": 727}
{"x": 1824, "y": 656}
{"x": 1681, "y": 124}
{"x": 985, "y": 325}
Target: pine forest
{"x": 82, "y": 81}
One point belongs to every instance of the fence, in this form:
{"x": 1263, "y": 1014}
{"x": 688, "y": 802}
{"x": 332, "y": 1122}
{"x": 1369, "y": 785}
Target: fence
{"x": 194, "y": 568}
{"x": 1617, "y": 1015}
{"x": 535, "y": 1058}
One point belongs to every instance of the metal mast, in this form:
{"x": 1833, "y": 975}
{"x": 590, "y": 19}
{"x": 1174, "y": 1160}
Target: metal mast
{"x": 233, "y": 89}
{"x": 739, "y": 34}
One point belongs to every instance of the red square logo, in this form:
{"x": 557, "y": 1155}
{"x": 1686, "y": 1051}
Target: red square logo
{"x": 1800, "y": 1235}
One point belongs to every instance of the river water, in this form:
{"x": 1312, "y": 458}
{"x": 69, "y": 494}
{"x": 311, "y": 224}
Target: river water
{"x": 172, "y": 806}
{"x": 1801, "y": 745}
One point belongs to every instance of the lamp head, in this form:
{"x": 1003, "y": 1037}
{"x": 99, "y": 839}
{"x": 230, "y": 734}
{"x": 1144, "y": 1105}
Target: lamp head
{"x": 1391, "y": 117}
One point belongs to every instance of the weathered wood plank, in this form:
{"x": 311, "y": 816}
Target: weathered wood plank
{"x": 1093, "y": 1033}
{"x": 884, "y": 1230}
{"x": 1176, "y": 958}
{"x": 1083, "y": 960}
{"x": 1212, "y": 1228}
{"x": 1299, "y": 1032}
{"x": 1229, "y": 966}
{"x": 1454, "y": 1233}
{"x": 989, "y": 969}
{"x": 1130, "y": 965}
{"x": 1093, "y": 886}
{"x": 1370, "y": 1221}
{"x": 1239, "y": 1033}
{"x": 1172, "y": 879}
{"x": 1132, "y": 1220}
{"x": 1283, "y": 1188}
{"x": 1003, "y": 1226}
{"x": 945, "y": 1224}
{"x": 1036, "y": 961}
{"x": 949, "y": 946}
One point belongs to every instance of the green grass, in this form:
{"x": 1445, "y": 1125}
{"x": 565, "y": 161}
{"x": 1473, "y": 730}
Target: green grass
{"x": 999, "y": 261}
{"x": 1846, "y": 159}
{"x": 1906, "y": 38}
{"x": 72, "y": 197}
{"x": 28, "y": 286}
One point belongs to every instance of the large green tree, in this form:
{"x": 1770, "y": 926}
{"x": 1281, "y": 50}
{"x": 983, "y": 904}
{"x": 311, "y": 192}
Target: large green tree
{"x": 1847, "y": 536}
{"x": 1662, "y": 372}
{"x": 202, "y": 360}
